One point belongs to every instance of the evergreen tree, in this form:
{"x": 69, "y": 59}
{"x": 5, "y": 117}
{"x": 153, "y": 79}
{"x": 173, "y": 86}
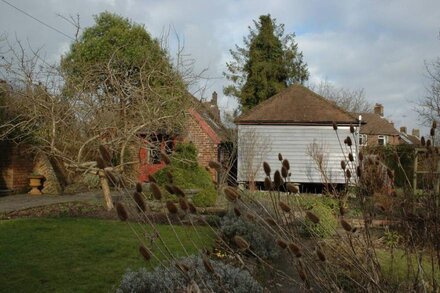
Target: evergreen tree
{"x": 268, "y": 63}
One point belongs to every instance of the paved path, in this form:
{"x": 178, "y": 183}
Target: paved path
{"x": 24, "y": 201}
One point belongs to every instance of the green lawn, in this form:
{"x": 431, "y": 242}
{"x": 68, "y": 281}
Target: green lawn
{"x": 75, "y": 255}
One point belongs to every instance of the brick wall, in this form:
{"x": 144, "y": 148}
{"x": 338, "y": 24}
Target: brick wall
{"x": 392, "y": 140}
{"x": 15, "y": 166}
{"x": 207, "y": 149}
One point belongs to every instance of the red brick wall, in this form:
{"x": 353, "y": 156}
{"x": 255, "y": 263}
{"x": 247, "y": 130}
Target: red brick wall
{"x": 207, "y": 149}
{"x": 15, "y": 166}
{"x": 392, "y": 140}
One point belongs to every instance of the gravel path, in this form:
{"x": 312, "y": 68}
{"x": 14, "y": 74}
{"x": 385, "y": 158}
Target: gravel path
{"x": 18, "y": 202}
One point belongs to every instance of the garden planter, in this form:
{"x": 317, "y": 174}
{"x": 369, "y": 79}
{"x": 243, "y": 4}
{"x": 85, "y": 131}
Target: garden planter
{"x": 35, "y": 183}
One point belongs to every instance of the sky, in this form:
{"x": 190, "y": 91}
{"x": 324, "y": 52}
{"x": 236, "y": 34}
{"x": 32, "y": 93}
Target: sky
{"x": 380, "y": 46}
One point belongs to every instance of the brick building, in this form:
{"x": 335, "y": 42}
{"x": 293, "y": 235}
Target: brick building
{"x": 203, "y": 128}
{"x": 377, "y": 130}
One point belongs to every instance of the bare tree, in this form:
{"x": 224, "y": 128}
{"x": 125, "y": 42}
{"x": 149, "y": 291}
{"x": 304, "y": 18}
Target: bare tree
{"x": 353, "y": 101}
{"x": 70, "y": 122}
{"x": 428, "y": 107}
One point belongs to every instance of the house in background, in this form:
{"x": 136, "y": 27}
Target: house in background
{"x": 411, "y": 139}
{"x": 203, "y": 128}
{"x": 377, "y": 130}
{"x": 298, "y": 124}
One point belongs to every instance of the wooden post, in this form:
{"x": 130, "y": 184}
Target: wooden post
{"x": 415, "y": 171}
{"x": 105, "y": 190}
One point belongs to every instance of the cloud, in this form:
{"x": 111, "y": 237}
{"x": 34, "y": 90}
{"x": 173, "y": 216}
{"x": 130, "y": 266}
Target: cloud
{"x": 380, "y": 46}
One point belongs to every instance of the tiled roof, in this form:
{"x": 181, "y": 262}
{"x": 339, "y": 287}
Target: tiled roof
{"x": 296, "y": 105}
{"x": 375, "y": 124}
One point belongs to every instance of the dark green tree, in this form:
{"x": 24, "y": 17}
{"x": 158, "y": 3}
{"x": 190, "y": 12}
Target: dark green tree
{"x": 268, "y": 62}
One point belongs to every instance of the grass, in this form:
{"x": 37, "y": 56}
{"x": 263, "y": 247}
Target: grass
{"x": 397, "y": 270}
{"x": 74, "y": 254}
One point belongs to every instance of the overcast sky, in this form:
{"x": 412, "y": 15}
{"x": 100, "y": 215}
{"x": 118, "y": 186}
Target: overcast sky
{"x": 380, "y": 46}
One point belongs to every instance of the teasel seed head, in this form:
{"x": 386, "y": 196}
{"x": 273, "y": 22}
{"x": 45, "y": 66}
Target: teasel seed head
{"x": 139, "y": 187}
{"x": 349, "y": 143}
{"x": 231, "y": 194}
{"x": 292, "y": 188}
{"x": 208, "y": 266}
{"x": 320, "y": 254}
{"x": 171, "y": 207}
{"x": 164, "y": 158}
{"x": 280, "y": 157}
{"x": 281, "y": 243}
{"x": 270, "y": 221}
{"x": 182, "y": 267}
{"x": 250, "y": 217}
{"x": 312, "y": 217}
{"x": 100, "y": 163}
{"x": 428, "y": 143}
{"x": 284, "y": 207}
{"x": 351, "y": 128}
{"x": 237, "y": 212}
{"x": 178, "y": 191}
{"x": 267, "y": 184}
{"x": 122, "y": 212}
{"x": 140, "y": 202}
{"x": 350, "y": 157}
{"x": 343, "y": 165}
{"x": 286, "y": 164}
{"x": 105, "y": 155}
{"x": 170, "y": 188}
{"x": 145, "y": 252}
{"x": 302, "y": 274}
{"x": 341, "y": 210}
{"x": 151, "y": 179}
{"x": 361, "y": 156}
{"x": 390, "y": 173}
{"x": 155, "y": 190}
{"x": 347, "y": 227}
{"x": 241, "y": 242}
{"x": 169, "y": 176}
{"x": 215, "y": 165}
{"x": 422, "y": 141}
{"x": 358, "y": 171}
{"x": 432, "y": 132}
{"x": 284, "y": 172}
{"x": 295, "y": 249}
{"x": 183, "y": 203}
{"x": 266, "y": 168}
{"x": 348, "y": 174}
{"x": 192, "y": 208}
{"x": 335, "y": 126}
{"x": 277, "y": 180}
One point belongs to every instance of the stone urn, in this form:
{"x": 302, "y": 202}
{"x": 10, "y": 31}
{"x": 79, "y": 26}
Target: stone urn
{"x": 35, "y": 183}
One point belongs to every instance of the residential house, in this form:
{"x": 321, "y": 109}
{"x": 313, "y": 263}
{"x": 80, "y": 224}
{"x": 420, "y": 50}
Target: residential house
{"x": 377, "y": 130}
{"x": 411, "y": 139}
{"x": 298, "y": 124}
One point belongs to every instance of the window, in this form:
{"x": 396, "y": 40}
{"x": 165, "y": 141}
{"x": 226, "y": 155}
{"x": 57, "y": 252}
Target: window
{"x": 382, "y": 140}
{"x": 363, "y": 139}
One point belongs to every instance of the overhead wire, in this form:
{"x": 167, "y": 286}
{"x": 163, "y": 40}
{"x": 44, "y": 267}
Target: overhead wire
{"x": 36, "y": 19}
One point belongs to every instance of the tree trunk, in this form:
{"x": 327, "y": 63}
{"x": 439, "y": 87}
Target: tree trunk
{"x": 105, "y": 190}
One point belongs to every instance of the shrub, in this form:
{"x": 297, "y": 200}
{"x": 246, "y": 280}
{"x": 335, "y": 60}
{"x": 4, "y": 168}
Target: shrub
{"x": 327, "y": 220}
{"x": 226, "y": 278}
{"x": 187, "y": 174}
{"x": 261, "y": 242}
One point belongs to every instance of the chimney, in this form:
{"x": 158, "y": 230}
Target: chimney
{"x": 392, "y": 123}
{"x": 214, "y": 99}
{"x": 416, "y": 132}
{"x": 403, "y": 129}
{"x": 378, "y": 109}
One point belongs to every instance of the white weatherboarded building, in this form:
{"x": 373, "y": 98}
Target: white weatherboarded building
{"x": 297, "y": 123}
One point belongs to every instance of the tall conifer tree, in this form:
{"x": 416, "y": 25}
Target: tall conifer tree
{"x": 269, "y": 62}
